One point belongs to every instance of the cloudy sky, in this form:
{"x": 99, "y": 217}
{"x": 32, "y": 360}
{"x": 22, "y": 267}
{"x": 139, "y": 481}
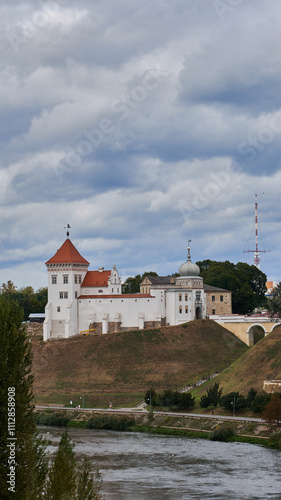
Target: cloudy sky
{"x": 142, "y": 125}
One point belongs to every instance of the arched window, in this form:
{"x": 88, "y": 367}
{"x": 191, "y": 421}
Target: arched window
{"x": 186, "y": 297}
{"x": 180, "y": 297}
{"x": 186, "y": 309}
{"x": 180, "y": 309}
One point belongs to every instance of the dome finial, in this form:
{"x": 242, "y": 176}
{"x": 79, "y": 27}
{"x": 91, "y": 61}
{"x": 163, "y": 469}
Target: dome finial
{"x": 188, "y": 250}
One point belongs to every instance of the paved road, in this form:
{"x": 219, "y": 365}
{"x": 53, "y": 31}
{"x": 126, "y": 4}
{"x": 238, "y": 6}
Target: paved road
{"x": 134, "y": 411}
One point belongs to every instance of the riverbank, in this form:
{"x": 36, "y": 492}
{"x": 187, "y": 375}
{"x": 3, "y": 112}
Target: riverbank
{"x": 253, "y": 432}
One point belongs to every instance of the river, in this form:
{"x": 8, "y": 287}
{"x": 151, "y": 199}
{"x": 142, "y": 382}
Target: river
{"x": 142, "y": 466}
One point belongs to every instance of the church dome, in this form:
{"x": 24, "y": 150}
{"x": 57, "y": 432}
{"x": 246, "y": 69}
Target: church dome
{"x": 189, "y": 268}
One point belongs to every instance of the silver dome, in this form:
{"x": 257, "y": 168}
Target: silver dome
{"x": 189, "y": 268}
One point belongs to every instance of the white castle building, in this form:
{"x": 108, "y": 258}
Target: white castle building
{"x": 81, "y": 300}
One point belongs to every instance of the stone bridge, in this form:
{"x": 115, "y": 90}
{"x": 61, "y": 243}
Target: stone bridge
{"x": 249, "y": 329}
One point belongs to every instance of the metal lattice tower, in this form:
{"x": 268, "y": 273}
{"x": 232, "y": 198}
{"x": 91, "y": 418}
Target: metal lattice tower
{"x": 257, "y": 251}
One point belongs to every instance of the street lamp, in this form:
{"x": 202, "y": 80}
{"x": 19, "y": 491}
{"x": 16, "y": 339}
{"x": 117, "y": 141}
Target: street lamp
{"x": 82, "y": 397}
{"x": 233, "y": 403}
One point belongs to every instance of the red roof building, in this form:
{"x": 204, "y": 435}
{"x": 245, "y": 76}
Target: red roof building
{"x": 67, "y": 254}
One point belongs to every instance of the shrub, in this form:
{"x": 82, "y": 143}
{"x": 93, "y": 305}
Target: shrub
{"x": 54, "y": 419}
{"x": 275, "y": 440}
{"x": 111, "y": 423}
{"x": 222, "y": 434}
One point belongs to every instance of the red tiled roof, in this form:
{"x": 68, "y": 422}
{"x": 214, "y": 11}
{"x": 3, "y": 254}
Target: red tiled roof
{"x": 120, "y": 296}
{"x": 67, "y": 254}
{"x": 96, "y": 278}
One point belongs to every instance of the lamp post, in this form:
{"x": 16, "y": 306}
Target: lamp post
{"x": 82, "y": 397}
{"x": 233, "y": 403}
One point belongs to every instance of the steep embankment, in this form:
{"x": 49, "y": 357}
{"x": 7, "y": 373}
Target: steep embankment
{"x": 128, "y": 363}
{"x": 261, "y": 362}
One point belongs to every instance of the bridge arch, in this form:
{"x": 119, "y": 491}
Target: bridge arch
{"x": 274, "y": 326}
{"x": 255, "y": 333}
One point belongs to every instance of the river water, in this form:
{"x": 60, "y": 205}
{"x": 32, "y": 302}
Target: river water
{"x": 142, "y": 466}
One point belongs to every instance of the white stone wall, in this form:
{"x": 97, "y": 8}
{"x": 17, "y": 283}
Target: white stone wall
{"x": 132, "y": 312}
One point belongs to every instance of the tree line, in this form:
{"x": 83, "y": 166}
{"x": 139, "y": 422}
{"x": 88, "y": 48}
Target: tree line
{"x": 246, "y": 282}
{"x": 28, "y": 300}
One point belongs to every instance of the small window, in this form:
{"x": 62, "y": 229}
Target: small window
{"x": 61, "y": 295}
{"x": 80, "y": 279}
{"x": 58, "y": 309}
{"x": 186, "y": 309}
{"x": 75, "y": 279}
{"x": 180, "y": 309}
{"x": 100, "y": 291}
{"x": 76, "y": 295}
{"x": 65, "y": 279}
{"x": 213, "y": 298}
{"x": 65, "y": 295}
{"x": 112, "y": 290}
{"x": 221, "y": 298}
{"x": 54, "y": 280}
{"x": 186, "y": 297}
{"x": 180, "y": 297}
{"x": 117, "y": 290}
{"x": 213, "y": 311}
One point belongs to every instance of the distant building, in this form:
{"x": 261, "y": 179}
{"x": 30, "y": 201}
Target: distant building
{"x": 270, "y": 285}
{"x": 81, "y": 300}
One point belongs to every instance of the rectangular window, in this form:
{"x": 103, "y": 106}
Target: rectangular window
{"x": 213, "y": 298}
{"x": 75, "y": 279}
{"x": 65, "y": 295}
{"x": 65, "y": 279}
{"x": 54, "y": 280}
{"x": 61, "y": 295}
{"x": 221, "y": 298}
{"x": 58, "y": 309}
{"x": 213, "y": 311}
{"x": 80, "y": 279}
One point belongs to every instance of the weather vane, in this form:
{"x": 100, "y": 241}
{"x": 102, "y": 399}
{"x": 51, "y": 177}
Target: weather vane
{"x": 67, "y": 227}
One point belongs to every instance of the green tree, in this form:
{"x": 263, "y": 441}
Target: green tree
{"x": 212, "y": 398}
{"x": 16, "y": 391}
{"x": 62, "y": 475}
{"x": 259, "y": 403}
{"x": 227, "y": 401}
{"x": 150, "y": 393}
{"x": 247, "y": 283}
{"x": 89, "y": 483}
{"x": 272, "y": 411}
{"x": 132, "y": 284}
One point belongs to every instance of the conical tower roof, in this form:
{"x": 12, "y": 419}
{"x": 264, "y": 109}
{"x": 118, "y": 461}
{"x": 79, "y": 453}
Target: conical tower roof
{"x": 67, "y": 254}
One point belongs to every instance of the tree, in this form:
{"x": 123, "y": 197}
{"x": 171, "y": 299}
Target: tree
{"x": 272, "y": 411}
{"x": 259, "y": 403}
{"x": 212, "y": 398}
{"x": 132, "y": 285}
{"x": 67, "y": 480}
{"x": 247, "y": 283}
{"x": 274, "y": 303}
{"x": 62, "y": 475}
{"x": 150, "y": 393}
{"x": 16, "y": 402}
{"x": 227, "y": 401}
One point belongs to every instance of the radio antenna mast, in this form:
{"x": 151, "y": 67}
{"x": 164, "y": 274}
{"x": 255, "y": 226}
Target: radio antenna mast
{"x": 257, "y": 251}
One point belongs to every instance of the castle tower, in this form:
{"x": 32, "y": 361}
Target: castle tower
{"x": 66, "y": 272}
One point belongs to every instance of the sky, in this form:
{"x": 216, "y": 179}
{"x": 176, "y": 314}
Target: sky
{"x": 141, "y": 125}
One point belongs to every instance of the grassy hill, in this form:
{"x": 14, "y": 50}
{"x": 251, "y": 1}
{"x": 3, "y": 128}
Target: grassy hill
{"x": 122, "y": 366}
{"x": 261, "y": 362}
